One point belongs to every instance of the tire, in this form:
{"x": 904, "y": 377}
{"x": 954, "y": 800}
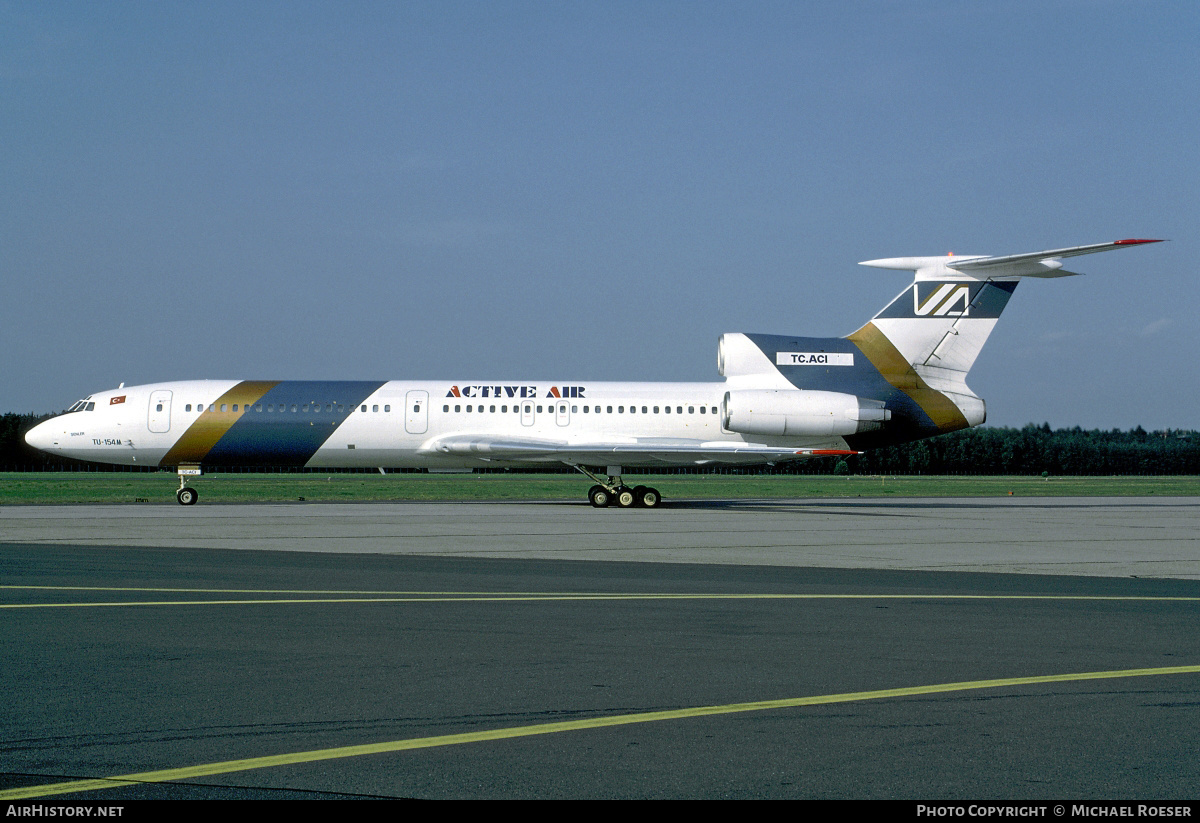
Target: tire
{"x": 186, "y": 496}
{"x": 649, "y": 498}
{"x": 626, "y": 497}
{"x": 599, "y": 497}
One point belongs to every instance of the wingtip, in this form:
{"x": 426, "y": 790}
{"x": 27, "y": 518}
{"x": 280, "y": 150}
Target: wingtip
{"x": 1135, "y": 241}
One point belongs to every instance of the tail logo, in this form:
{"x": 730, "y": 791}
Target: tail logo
{"x": 947, "y": 300}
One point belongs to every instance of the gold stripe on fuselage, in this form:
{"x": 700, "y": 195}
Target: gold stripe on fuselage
{"x": 195, "y": 443}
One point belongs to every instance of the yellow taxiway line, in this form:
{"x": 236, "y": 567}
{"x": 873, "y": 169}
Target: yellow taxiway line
{"x": 319, "y": 596}
{"x": 271, "y": 761}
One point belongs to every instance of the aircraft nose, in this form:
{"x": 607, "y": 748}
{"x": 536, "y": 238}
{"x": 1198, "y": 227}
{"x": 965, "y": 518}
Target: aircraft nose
{"x": 43, "y": 436}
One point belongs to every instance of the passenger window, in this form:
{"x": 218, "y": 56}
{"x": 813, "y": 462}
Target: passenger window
{"x": 375, "y": 408}
{"x": 491, "y": 408}
{"x": 656, "y": 409}
{"x": 610, "y": 409}
{"x": 188, "y": 407}
{"x": 703, "y": 409}
{"x": 387, "y": 408}
{"x": 458, "y": 408}
{"x": 158, "y": 407}
{"x": 691, "y": 409}
{"x": 445, "y": 408}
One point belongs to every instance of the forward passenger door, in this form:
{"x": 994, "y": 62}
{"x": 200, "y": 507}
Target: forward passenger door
{"x": 158, "y": 417}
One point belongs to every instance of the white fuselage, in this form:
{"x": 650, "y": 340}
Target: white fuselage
{"x": 397, "y": 424}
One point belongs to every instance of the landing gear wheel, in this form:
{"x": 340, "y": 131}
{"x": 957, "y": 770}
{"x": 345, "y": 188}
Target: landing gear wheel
{"x": 626, "y": 497}
{"x": 599, "y": 497}
{"x": 186, "y": 496}
{"x": 647, "y": 497}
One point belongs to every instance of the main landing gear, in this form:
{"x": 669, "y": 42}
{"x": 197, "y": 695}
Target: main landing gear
{"x": 186, "y": 495}
{"x": 610, "y": 491}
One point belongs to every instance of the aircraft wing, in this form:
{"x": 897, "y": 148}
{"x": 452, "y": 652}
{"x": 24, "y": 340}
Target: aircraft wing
{"x": 668, "y": 451}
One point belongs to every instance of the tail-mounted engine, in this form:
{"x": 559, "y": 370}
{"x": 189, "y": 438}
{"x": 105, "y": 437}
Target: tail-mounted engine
{"x": 801, "y": 412}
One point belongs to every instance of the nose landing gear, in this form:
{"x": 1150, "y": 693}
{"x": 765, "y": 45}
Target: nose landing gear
{"x": 186, "y": 495}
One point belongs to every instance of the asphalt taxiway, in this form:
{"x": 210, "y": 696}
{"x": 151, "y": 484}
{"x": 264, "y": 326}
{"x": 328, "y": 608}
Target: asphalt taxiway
{"x": 841, "y": 648}
{"x": 1119, "y": 536}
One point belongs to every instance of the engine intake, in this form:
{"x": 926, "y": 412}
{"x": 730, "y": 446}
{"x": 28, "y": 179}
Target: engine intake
{"x": 801, "y": 412}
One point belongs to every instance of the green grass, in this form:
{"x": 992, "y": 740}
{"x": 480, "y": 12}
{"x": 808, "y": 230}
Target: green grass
{"x": 118, "y": 487}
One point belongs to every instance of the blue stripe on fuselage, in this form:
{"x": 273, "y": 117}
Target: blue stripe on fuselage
{"x": 287, "y": 437}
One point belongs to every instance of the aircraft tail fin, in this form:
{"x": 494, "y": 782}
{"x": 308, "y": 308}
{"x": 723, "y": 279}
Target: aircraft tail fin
{"x": 939, "y": 324}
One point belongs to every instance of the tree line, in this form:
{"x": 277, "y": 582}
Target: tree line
{"x": 1031, "y": 450}
{"x": 1034, "y": 450}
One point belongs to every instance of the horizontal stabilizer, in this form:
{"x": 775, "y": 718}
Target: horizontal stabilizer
{"x": 984, "y": 267}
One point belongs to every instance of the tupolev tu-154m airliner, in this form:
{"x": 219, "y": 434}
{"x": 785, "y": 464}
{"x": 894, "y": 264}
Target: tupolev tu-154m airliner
{"x": 899, "y": 378}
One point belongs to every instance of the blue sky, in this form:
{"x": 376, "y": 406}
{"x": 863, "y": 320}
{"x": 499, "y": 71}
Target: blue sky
{"x": 589, "y": 191}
